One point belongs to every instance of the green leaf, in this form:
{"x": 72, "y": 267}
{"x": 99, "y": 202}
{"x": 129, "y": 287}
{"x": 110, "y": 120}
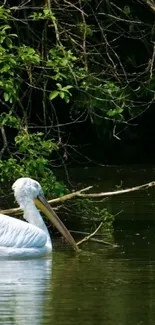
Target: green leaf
{"x": 13, "y": 35}
{"x": 9, "y": 42}
{"x": 119, "y": 110}
{"x": 4, "y": 27}
{"x": 68, "y": 87}
{"x": 61, "y": 94}
{"x": 111, "y": 113}
{"x": 6, "y": 97}
{"x": 59, "y": 86}
{"x": 53, "y": 94}
{"x": 67, "y": 99}
{"x": 116, "y": 111}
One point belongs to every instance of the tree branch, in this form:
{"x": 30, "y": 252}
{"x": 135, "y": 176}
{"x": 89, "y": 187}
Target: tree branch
{"x": 69, "y": 196}
{"x": 18, "y": 211}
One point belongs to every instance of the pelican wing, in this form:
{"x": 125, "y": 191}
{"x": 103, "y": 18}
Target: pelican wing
{"x": 15, "y": 233}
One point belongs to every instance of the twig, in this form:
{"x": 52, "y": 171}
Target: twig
{"x": 84, "y": 37}
{"x": 91, "y": 235}
{"x": 152, "y": 61}
{"x": 78, "y": 9}
{"x": 121, "y": 19}
{"x": 5, "y": 143}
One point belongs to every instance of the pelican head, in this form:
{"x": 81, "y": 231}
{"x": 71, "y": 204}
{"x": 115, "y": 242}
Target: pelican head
{"x": 28, "y": 190}
{"x": 25, "y": 190}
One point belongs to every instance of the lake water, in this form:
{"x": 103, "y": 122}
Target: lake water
{"x": 102, "y": 285}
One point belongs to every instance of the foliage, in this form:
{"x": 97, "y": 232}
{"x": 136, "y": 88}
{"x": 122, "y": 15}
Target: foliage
{"x": 30, "y": 153}
{"x": 63, "y": 92}
{"x": 39, "y": 169}
{"x": 89, "y": 213}
{"x": 34, "y": 153}
{"x": 8, "y": 119}
{"x": 61, "y": 61}
{"x": 69, "y": 56}
{"x": 107, "y": 100}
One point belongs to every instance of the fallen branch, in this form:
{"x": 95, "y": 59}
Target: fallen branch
{"x": 128, "y": 190}
{"x": 69, "y": 196}
{"x": 18, "y": 211}
{"x": 101, "y": 194}
{"x": 90, "y": 236}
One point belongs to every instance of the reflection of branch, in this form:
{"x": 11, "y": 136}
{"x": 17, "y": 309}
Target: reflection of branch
{"x": 79, "y": 193}
{"x": 100, "y": 241}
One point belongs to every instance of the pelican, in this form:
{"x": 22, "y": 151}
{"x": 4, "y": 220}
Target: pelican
{"x": 29, "y": 239}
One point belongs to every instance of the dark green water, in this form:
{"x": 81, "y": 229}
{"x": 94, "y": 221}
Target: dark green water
{"x": 103, "y": 285}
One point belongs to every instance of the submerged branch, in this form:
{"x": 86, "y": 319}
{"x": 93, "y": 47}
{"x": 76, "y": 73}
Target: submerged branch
{"x": 79, "y": 194}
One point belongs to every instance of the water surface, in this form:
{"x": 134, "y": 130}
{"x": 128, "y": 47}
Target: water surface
{"x": 100, "y": 286}
{"x": 103, "y": 285}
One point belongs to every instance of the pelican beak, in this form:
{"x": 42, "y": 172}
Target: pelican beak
{"x": 45, "y": 207}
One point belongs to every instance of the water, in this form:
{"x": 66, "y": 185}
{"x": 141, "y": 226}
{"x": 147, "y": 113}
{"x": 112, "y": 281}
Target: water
{"x": 102, "y": 285}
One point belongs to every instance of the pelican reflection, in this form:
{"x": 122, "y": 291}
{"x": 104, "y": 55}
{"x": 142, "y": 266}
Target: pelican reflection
{"x": 23, "y": 287}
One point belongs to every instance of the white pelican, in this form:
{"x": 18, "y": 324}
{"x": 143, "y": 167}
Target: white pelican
{"x": 21, "y": 239}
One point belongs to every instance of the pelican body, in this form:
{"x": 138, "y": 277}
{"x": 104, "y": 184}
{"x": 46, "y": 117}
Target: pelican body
{"x": 29, "y": 239}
